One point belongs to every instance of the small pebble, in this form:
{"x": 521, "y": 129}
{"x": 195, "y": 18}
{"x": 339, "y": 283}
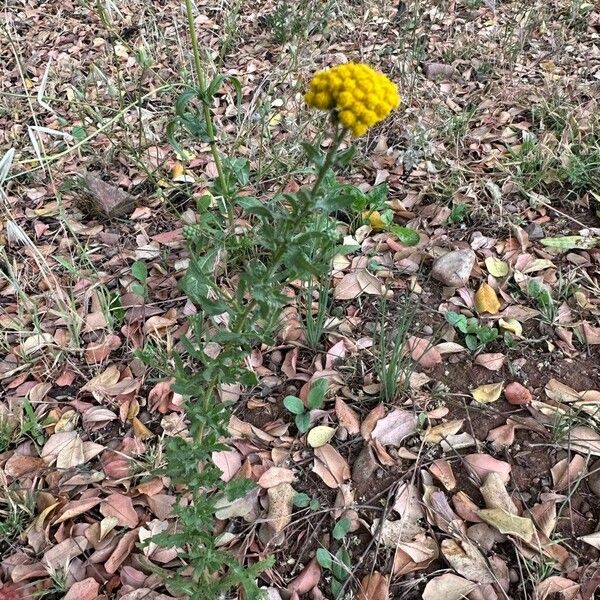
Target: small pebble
{"x": 518, "y": 394}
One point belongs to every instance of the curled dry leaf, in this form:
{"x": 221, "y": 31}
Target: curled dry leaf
{"x": 370, "y": 420}
{"x": 308, "y": 578}
{"x": 374, "y": 586}
{"x": 503, "y": 436}
{"x": 557, "y": 587}
{"x": 415, "y": 555}
{"x": 347, "y": 417}
{"x": 483, "y": 464}
{"x": 228, "y": 461}
{"x": 330, "y": 466}
{"x": 467, "y": 561}
{"x": 495, "y": 495}
{"x": 441, "y": 469}
{"x": 392, "y": 429}
{"x": 566, "y": 474}
{"x": 437, "y": 433}
{"x": 448, "y": 587}
{"x": 582, "y": 439}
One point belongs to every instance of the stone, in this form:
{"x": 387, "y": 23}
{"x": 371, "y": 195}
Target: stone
{"x": 535, "y": 232}
{"x": 454, "y": 269}
{"x": 518, "y": 394}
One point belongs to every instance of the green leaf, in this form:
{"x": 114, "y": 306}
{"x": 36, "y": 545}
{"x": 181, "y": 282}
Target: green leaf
{"x": 301, "y": 500}
{"x": 294, "y": 405}
{"x": 140, "y": 271}
{"x": 570, "y": 242}
{"x": 406, "y": 235}
{"x": 342, "y": 527}
{"x": 303, "y": 422}
{"x": 342, "y": 565}
{"x": 324, "y": 558}
{"x": 79, "y": 133}
{"x": 378, "y": 196}
{"x": 314, "y": 504}
{"x": 336, "y": 588}
{"x": 472, "y": 342}
{"x": 457, "y": 320}
{"x": 317, "y": 392}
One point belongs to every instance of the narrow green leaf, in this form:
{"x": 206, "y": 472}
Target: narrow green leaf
{"x": 342, "y": 527}
{"x": 317, "y": 392}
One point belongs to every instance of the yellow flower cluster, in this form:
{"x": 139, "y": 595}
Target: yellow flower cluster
{"x": 360, "y": 95}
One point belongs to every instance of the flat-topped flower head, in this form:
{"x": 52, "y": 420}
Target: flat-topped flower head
{"x": 360, "y": 96}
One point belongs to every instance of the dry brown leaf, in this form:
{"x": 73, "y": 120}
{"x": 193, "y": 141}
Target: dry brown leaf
{"x": 435, "y": 434}
{"x": 121, "y": 508}
{"x": 330, "y": 466}
{"x": 448, "y": 587}
{"x": 566, "y": 474}
{"x": 557, "y": 587}
{"x": 392, "y": 429}
{"x": 467, "y": 561}
{"x": 83, "y": 590}
{"x": 441, "y": 469}
{"x": 122, "y": 551}
{"x": 491, "y": 361}
{"x": 273, "y": 476}
{"x": 75, "y": 508}
{"x": 370, "y": 420}
{"x": 374, "y": 586}
{"x": 490, "y": 392}
{"x": 307, "y": 579}
{"x": 347, "y": 417}
{"x": 423, "y": 352}
{"x": 484, "y": 464}
{"x": 415, "y": 555}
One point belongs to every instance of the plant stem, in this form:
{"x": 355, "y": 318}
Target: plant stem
{"x": 206, "y": 111}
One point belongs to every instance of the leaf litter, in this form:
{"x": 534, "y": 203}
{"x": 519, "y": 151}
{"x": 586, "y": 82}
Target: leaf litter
{"x": 513, "y": 450}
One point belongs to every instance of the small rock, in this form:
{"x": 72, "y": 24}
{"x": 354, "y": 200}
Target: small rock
{"x": 513, "y": 576}
{"x": 436, "y": 71}
{"x": 535, "y": 231}
{"x": 516, "y": 393}
{"x": 454, "y": 269}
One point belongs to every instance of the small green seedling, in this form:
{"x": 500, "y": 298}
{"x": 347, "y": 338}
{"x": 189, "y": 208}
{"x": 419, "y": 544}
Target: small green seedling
{"x": 340, "y": 563}
{"x": 543, "y": 298}
{"x": 140, "y": 272}
{"x": 477, "y": 336}
{"x": 302, "y": 500}
{"x": 314, "y": 401}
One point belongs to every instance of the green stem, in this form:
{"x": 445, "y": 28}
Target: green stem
{"x": 206, "y": 111}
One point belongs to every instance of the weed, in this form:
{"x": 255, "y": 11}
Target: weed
{"x": 393, "y": 365}
{"x": 314, "y": 401}
{"x": 532, "y": 164}
{"x": 290, "y": 20}
{"x": 477, "y": 336}
{"x": 315, "y": 317}
{"x": 340, "y": 563}
{"x": 543, "y": 298}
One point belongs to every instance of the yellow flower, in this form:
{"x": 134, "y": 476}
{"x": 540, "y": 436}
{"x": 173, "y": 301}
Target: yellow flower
{"x": 360, "y": 95}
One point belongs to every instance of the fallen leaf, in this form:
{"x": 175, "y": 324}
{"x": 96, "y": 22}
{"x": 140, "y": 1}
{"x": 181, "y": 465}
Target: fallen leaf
{"x": 496, "y": 267}
{"x": 490, "y": 392}
{"x": 121, "y": 508}
{"x": 441, "y": 469}
{"x": 566, "y": 474}
{"x": 83, "y": 590}
{"x": 557, "y": 587}
{"x": 486, "y": 300}
{"x": 435, "y": 434}
{"x": 509, "y": 524}
{"x": 491, "y": 361}
{"x": 330, "y": 466}
{"x": 392, "y": 429}
{"x": 483, "y": 464}
{"x": 307, "y": 579}
{"x": 274, "y": 476}
{"x": 374, "y": 586}
{"x": 423, "y": 352}
{"x": 467, "y": 561}
{"x": 448, "y": 587}
{"x": 582, "y": 439}
{"x": 319, "y": 436}
{"x": 347, "y": 417}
